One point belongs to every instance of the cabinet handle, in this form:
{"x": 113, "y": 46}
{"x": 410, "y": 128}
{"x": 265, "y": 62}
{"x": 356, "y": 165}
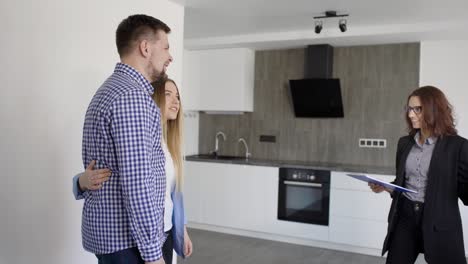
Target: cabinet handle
{"x": 303, "y": 184}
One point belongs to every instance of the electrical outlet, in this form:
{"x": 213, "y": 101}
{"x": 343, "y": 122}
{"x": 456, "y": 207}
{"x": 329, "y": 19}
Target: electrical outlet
{"x": 372, "y": 143}
{"x": 362, "y": 142}
{"x": 268, "y": 138}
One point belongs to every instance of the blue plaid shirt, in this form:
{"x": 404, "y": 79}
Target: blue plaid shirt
{"x": 122, "y": 131}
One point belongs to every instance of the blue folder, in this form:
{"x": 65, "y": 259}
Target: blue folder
{"x": 387, "y": 185}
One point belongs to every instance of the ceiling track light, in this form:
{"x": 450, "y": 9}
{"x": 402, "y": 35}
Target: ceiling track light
{"x": 342, "y": 24}
{"x": 318, "y": 26}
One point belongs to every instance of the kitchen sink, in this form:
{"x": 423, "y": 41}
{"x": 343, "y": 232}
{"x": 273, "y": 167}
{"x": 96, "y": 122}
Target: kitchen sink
{"x": 217, "y": 157}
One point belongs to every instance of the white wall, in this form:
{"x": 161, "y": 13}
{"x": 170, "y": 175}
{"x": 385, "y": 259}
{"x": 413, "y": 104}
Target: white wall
{"x": 54, "y": 55}
{"x": 444, "y": 64}
{"x": 189, "y": 99}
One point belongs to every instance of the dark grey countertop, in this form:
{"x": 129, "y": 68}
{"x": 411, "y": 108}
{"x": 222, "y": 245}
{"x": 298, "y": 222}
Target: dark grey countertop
{"x": 296, "y": 164}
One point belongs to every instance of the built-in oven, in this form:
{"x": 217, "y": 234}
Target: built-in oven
{"x": 304, "y": 195}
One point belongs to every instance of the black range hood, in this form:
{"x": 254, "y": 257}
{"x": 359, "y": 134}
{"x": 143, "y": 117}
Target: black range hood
{"x": 318, "y": 94}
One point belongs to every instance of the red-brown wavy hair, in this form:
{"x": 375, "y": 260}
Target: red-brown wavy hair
{"x": 436, "y": 111}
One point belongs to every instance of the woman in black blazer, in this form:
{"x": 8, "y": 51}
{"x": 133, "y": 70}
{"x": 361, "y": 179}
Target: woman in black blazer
{"x": 432, "y": 160}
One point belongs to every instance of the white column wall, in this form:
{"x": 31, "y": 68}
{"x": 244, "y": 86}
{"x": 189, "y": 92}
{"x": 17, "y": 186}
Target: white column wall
{"x": 444, "y": 64}
{"x": 53, "y": 57}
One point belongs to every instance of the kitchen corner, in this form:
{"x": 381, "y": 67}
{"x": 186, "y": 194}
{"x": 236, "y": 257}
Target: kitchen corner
{"x": 297, "y": 169}
{"x": 286, "y": 179}
{"x": 251, "y": 198}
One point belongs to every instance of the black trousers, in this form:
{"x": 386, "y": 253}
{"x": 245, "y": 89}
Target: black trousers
{"x": 132, "y": 255}
{"x": 168, "y": 247}
{"x": 407, "y": 240}
{"x": 126, "y": 256}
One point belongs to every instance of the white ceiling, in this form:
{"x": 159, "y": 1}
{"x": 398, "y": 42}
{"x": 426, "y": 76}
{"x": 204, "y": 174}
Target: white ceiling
{"x": 264, "y": 24}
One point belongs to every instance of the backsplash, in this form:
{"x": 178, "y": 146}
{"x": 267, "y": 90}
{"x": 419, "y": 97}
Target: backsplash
{"x": 375, "y": 82}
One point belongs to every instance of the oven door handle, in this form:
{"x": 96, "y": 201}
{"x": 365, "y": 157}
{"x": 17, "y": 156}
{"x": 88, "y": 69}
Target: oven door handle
{"x": 308, "y": 184}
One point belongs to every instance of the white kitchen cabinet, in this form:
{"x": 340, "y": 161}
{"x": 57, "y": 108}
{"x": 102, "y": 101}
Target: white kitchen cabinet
{"x": 242, "y": 197}
{"x": 245, "y": 197}
{"x": 256, "y": 184}
{"x": 357, "y": 215}
{"x": 219, "y": 80}
{"x": 192, "y": 191}
{"x": 226, "y": 195}
{"x": 358, "y": 232}
{"x": 220, "y": 196}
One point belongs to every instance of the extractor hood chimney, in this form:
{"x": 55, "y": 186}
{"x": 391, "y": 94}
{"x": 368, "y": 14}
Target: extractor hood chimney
{"x": 318, "y": 62}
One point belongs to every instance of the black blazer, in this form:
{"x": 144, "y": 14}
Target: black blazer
{"x": 447, "y": 181}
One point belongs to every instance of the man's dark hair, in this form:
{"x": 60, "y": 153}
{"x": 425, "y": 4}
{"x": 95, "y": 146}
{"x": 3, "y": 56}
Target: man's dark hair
{"x": 134, "y": 28}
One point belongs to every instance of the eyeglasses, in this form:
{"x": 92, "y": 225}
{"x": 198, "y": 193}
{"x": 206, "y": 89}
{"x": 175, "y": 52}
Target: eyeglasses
{"x": 416, "y": 109}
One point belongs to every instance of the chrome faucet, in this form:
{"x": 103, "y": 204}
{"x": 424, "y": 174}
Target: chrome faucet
{"x": 247, "y": 153}
{"x": 215, "y": 152}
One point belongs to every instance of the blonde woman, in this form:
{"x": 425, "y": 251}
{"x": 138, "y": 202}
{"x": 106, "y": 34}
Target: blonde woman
{"x": 167, "y": 97}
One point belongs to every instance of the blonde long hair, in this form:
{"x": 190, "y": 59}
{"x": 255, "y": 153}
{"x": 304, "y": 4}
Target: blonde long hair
{"x": 172, "y": 129}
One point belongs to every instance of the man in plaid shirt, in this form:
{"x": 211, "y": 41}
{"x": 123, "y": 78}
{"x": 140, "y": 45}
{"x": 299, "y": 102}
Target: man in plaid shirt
{"x": 123, "y": 221}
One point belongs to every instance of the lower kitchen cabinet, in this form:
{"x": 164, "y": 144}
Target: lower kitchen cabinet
{"x": 192, "y": 191}
{"x": 245, "y": 197}
{"x": 357, "y": 215}
{"x": 242, "y": 197}
{"x": 228, "y": 195}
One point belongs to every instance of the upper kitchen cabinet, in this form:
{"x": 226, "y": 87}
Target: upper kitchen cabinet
{"x": 219, "y": 80}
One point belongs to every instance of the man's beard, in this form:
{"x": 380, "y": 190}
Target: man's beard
{"x": 157, "y": 76}
{"x": 163, "y": 76}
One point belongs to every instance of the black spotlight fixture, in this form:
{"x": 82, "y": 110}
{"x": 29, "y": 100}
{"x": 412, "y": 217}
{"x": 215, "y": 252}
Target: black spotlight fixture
{"x": 342, "y": 25}
{"x": 331, "y": 14}
{"x": 318, "y": 26}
